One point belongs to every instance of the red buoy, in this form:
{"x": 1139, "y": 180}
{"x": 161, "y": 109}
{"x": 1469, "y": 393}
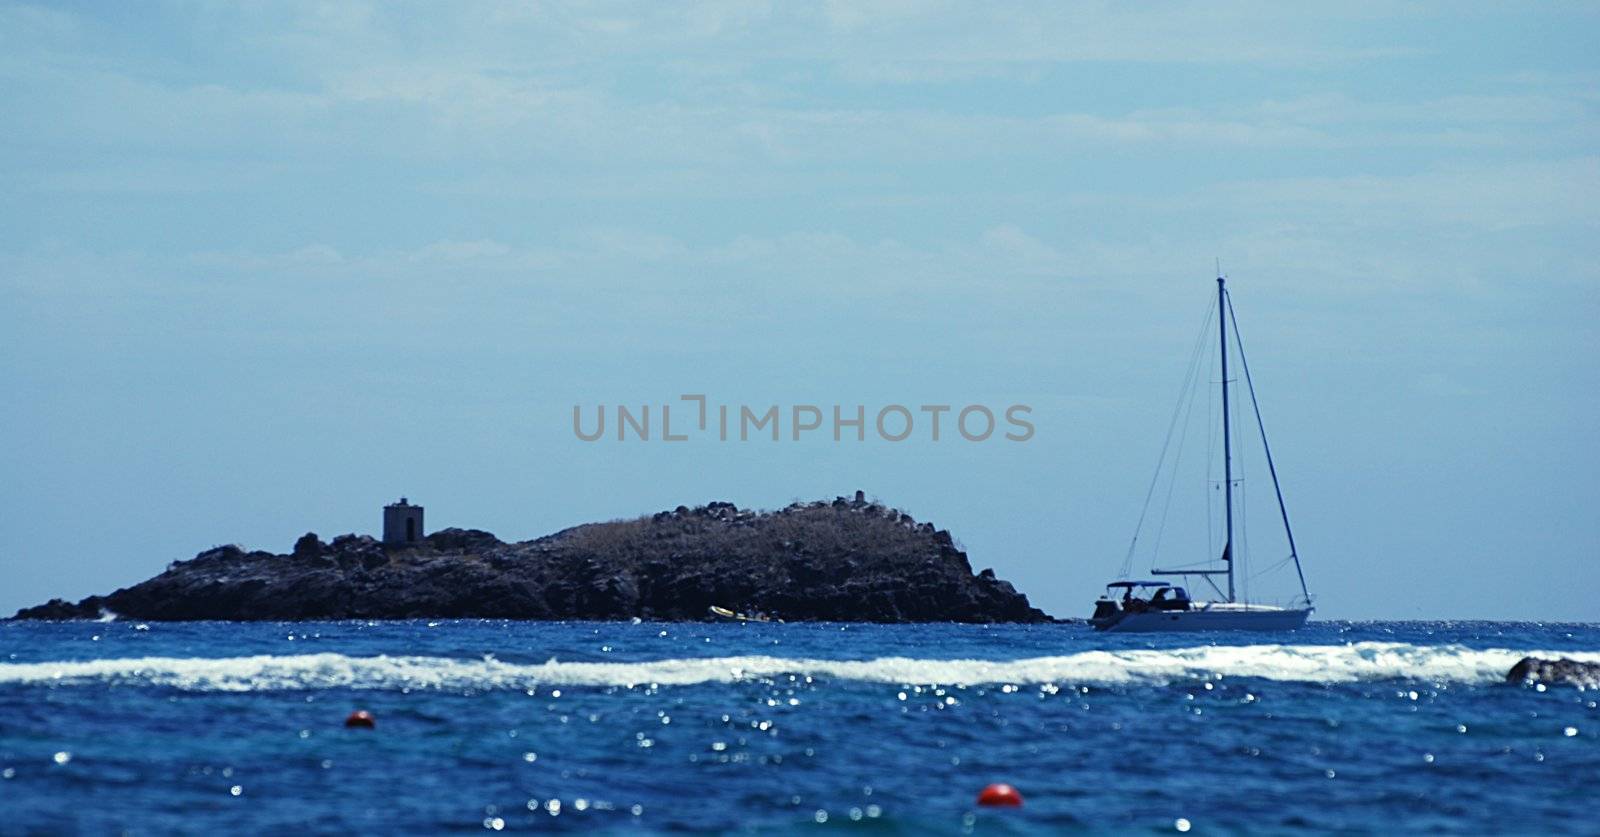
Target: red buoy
{"x": 1000, "y": 795}
{"x": 361, "y": 719}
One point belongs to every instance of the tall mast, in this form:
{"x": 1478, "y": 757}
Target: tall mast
{"x": 1227, "y": 436}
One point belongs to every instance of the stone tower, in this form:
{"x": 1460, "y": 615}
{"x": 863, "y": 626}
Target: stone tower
{"x": 402, "y": 523}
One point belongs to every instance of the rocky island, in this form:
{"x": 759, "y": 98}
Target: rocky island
{"x": 844, "y": 560}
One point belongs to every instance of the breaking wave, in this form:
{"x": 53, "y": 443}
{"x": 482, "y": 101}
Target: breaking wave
{"x": 1357, "y": 662}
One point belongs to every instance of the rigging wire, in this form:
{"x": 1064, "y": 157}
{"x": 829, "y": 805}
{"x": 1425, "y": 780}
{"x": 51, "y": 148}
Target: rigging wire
{"x": 1241, "y": 555}
{"x": 1177, "y": 462}
{"x": 1213, "y": 426}
{"x": 1267, "y": 450}
{"x": 1185, "y": 390}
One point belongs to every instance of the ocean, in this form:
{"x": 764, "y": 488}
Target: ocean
{"x": 876, "y": 729}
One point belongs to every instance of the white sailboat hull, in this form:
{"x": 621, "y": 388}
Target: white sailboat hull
{"x": 1212, "y": 616}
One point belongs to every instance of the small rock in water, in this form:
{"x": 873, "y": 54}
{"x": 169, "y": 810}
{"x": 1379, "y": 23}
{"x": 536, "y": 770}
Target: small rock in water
{"x": 1565, "y": 671}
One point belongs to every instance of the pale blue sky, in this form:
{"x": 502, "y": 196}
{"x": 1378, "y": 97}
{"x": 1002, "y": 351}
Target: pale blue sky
{"x": 268, "y": 268}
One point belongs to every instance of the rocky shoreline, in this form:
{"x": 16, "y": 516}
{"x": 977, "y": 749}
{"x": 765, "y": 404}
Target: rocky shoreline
{"x": 844, "y": 560}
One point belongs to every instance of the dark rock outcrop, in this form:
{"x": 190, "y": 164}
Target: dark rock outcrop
{"x": 846, "y": 560}
{"x": 1532, "y": 670}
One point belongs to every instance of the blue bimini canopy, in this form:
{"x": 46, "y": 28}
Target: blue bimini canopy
{"x": 1139, "y": 584}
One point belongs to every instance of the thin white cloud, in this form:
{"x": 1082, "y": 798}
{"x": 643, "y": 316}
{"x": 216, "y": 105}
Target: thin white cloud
{"x": 1559, "y": 193}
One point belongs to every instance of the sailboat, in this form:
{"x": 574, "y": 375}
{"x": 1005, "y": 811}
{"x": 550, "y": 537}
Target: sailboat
{"x": 1161, "y": 605}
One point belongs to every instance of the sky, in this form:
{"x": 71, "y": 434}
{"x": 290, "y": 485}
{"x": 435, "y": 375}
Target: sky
{"x": 267, "y": 267}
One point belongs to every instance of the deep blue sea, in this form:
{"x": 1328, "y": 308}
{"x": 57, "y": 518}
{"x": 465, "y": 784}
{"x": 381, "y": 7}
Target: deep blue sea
{"x": 637, "y": 728}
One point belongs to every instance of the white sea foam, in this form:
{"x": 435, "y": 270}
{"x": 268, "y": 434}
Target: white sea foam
{"x": 1357, "y": 662}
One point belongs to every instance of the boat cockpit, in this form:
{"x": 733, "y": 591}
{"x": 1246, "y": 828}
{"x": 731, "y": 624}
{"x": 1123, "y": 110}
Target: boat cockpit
{"x": 1140, "y": 596}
